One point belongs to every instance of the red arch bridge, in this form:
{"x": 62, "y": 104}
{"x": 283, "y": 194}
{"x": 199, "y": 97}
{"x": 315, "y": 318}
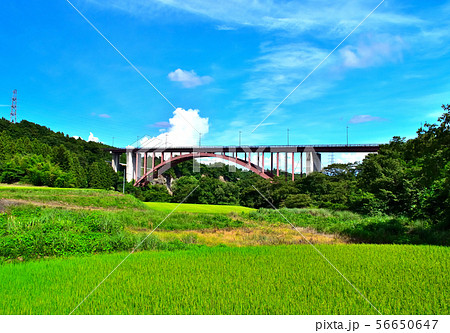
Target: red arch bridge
{"x": 144, "y": 164}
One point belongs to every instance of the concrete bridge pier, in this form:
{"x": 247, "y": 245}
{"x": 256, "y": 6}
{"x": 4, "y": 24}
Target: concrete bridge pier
{"x": 313, "y": 162}
{"x": 115, "y": 161}
{"x": 131, "y": 164}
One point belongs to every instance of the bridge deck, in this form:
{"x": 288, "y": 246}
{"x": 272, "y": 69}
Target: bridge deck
{"x": 352, "y": 148}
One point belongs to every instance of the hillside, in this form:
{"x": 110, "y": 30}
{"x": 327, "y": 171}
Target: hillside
{"x": 34, "y": 154}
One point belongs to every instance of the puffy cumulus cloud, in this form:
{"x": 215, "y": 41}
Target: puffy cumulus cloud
{"x": 184, "y": 129}
{"x": 376, "y": 51}
{"x": 92, "y": 138}
{"x": 365, "y": 118}
{"x": 189, "y": 79}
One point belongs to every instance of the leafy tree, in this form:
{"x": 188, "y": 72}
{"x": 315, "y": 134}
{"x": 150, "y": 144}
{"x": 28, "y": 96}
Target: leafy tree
{"x": 182, "y": 187}
{"x": 300, "y": 200}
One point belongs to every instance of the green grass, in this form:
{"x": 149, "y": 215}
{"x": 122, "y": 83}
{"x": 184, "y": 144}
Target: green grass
{"x": 31, "y": 232}
{"x": 197, "y": 208}
{"x": 397, "y": 279}
{"x": 75, "y": 197}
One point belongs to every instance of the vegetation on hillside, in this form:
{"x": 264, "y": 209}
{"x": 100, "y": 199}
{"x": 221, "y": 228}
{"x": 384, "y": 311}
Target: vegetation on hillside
{"x": 34, "y": 154}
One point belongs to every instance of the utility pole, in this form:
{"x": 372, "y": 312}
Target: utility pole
{"x": 347, "y": 135}
{"x": 123, "y": 186}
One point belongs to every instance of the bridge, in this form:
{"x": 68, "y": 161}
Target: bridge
{"x": 144, "y": 164}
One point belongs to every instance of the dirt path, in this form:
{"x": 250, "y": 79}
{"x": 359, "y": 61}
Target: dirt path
{"x": 54, "y": 204}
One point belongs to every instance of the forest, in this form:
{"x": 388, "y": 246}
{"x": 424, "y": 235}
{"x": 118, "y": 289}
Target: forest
{"x": 407, "y": 178}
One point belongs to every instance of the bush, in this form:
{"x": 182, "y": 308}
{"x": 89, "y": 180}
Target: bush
{"x": 298, "y": 201}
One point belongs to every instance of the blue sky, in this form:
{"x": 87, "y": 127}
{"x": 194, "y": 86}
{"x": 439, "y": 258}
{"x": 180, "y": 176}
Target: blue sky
{"x": 233, "y": 61}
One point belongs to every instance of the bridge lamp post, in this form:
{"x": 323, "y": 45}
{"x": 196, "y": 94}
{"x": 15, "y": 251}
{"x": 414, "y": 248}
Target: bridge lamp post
{"x": 288, "y": 136}
{"x": 240, "y": 138}
{"x": 347, "y": 135}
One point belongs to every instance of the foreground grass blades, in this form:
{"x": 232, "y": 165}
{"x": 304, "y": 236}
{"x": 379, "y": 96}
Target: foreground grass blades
{"x": 397, "y": 279}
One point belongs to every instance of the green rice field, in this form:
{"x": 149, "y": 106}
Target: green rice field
{"x": 198, "y": 208}
{"x": 397, "y": 279}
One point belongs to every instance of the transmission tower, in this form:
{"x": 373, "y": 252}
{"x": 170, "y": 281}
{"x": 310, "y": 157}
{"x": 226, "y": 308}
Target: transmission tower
{"x": 331, "y": 159}
{"x": 13, "y": 116}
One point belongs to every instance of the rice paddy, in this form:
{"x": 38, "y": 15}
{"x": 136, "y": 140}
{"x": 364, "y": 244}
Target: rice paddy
{"x": 398, "y": 279}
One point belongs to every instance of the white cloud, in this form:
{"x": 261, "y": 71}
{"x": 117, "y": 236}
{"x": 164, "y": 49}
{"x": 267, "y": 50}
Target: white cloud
{"x": 376, "y": 51}
{"x": 189, "y": 79}
{"x": 102, "y": 115}
{"x": 182, "y": 131}
{"x": 296, "y": 17}
{"x": 365, "y": 118}
{"x": 92, "y": 138}
{"x": 225, "y": 28}
{"x": 348, "y": 158}
{"x": 281, "y": 68}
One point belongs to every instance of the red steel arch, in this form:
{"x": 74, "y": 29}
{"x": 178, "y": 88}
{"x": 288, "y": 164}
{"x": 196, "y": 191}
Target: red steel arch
{"x": 166, "y": 165}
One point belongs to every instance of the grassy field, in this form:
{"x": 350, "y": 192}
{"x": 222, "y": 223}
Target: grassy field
{"x": 398, "y": 279}
{"x": 75, "y": 198}
{"x": 198, "y": 208}
{"x": 56, "y": 245}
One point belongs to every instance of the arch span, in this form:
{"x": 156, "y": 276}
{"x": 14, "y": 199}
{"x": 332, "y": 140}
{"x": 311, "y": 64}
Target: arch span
{"x": 166, "y": 165}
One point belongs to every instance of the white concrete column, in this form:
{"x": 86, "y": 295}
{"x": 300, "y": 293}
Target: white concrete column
{"x": 115, "y": 161}
{"x": 309, "y": 162}
{"x": 313, "y": 162}
{"x": 317, "y": 164}
{"x": 131, "y": 164}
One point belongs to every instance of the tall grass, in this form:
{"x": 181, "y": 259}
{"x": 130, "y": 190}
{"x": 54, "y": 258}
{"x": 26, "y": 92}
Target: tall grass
{"x": 29, "y": 232}
{"x": 380, "y": 229}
